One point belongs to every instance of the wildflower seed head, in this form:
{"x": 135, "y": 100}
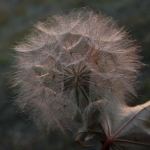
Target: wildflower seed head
{"x": 70, "y": 61}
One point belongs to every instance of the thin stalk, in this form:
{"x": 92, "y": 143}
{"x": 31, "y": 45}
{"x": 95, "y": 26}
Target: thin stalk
{"x": 77, "y": 95}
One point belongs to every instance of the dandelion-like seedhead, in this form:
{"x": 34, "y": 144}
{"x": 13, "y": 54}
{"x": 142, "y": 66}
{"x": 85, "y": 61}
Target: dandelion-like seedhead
{"x": 71, "y": 61}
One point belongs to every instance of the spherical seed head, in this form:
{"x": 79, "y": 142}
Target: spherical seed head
{"x": 70, "y": 61}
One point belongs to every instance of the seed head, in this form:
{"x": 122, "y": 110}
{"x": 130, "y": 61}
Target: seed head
{"x": 71, "y": 61}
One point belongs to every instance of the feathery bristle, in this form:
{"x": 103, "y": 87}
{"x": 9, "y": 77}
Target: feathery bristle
{"x": 73, "y": 60}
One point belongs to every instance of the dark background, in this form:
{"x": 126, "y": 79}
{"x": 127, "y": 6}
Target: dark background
{"x": 17, "y": 17}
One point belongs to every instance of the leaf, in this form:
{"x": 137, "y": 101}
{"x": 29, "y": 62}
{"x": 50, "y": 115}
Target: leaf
{"x": 117, "y": 128}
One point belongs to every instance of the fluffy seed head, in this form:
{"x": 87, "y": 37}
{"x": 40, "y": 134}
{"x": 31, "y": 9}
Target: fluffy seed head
{"x": 71, "y": 61}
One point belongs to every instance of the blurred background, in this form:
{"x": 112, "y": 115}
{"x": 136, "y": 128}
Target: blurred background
{"x": 17, "y": 17}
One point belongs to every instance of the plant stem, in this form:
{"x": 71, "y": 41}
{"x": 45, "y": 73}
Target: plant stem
{"x": 108, "y": 141}
{"x": 77, "y": 95}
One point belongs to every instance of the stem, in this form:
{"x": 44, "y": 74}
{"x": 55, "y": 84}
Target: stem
{"x": 108, "y": 141}
{"x": 107, "y": 148}
{"x": 77, "y": 95}
{"x": 84, "y": 93}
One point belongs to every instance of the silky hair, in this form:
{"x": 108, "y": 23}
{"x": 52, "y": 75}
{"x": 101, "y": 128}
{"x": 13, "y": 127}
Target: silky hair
{"x": 70, "y": 61}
